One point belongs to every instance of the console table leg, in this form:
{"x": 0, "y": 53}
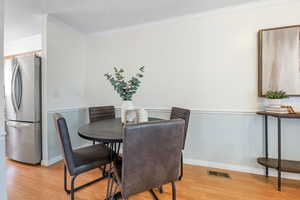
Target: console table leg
{"x": 266, "y": 143}
{"x": 279, "y": 154}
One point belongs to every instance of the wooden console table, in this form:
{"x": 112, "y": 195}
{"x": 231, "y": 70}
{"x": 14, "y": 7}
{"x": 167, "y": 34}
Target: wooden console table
{"x": 279, "y": 164}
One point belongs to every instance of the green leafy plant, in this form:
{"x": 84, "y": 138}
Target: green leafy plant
{"x": 125, "y": 88}
{"x": 276, "y": 94}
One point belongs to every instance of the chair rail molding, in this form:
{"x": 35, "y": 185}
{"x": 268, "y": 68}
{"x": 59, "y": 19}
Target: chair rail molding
{"x": 168, "y": 110}
{"x": 205, "y": 111}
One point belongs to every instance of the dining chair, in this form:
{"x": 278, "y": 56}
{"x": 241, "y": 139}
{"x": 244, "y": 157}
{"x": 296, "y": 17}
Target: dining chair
{"x": 101, "y": 113}
{"x": 151, "y": 153}
{"x": 181, "y": 113}
{"x": 80, "y": 160}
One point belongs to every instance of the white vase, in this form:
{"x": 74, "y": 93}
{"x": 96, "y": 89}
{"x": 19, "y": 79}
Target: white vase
{"x": 126, "y": 105}
{"x": 274, "y": 102}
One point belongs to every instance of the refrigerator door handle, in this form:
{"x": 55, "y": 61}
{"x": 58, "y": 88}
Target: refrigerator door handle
{"x": 13, "y": 87}
{"x": 19, "y": 87}
{"x": 17, "y": 124}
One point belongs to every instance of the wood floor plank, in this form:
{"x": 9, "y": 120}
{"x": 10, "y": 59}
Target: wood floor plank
{"x": 27, "y": 182}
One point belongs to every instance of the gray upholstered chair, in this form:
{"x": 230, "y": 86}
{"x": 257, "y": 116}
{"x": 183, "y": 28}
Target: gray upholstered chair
{"x": 101, "y": 113}
{"x": 81, "y": 160}
{"x": 181, "y": 113}
{"x": 151, "y": 153}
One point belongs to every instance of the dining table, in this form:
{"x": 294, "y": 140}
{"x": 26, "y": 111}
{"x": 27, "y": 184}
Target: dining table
{"x": 109, "y": 132}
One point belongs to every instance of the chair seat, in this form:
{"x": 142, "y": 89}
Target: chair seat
{"x": 91, "y": 157}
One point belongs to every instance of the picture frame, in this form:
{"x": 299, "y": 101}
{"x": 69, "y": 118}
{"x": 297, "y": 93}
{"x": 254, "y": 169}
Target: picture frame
{"x": 279, "y": 60}
{"x": 131, "y": 116}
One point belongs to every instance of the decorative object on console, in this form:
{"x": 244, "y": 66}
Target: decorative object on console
{"x": 277, "y": 109}
{"x": 125, "y": 88}
{"x": 279, "y": 55}
{"x": 275, "y": 102}
{"x": 276, "y": 94}
{"x": 290, "y": 109}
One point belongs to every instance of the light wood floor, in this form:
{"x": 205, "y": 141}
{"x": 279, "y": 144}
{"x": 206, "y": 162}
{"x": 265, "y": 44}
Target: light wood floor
{"x": 38, "y": 183}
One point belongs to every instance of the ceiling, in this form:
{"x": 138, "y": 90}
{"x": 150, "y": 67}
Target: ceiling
{"x": 24, "y": 17}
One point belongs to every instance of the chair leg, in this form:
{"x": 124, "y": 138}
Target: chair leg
{"x": 173, "y": 191}
{"x": 109, "y": 180}
{"x": 153, "y": 194}
{"x": 79, "y": 187}
{"x": 111, "y": 193}
{"x": 161, "y": 189}
{"x": 72, "y": 187}
{"x": 65, "y": 180}
{"x": 110, "y": 190}
{"x": 104, "y": 174}
{"x": 181, "y": 168}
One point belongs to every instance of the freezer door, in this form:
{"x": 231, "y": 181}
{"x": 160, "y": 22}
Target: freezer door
{"x": 24, "y": 142}
{"x": 22, "y": 89}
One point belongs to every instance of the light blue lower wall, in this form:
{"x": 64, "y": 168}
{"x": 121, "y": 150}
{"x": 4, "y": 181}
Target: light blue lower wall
{"x": 229, "y": 140}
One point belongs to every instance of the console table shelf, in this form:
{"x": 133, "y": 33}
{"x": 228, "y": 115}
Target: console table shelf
{"x": 286, "y": 165}
{"x": 279, "y": 163}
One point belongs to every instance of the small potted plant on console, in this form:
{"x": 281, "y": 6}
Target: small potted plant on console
{"x": 275, "y": 101}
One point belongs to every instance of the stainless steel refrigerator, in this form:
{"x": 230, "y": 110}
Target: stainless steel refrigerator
{"x": 22, "y": 82}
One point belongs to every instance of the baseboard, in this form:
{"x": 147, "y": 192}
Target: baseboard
{"x": 51, "y": 161}
{"x": 239, "y": 168}
{"x": 58, "y": 158}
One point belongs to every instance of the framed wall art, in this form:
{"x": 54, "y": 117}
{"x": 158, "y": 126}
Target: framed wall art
{"x": 279, "y": 60}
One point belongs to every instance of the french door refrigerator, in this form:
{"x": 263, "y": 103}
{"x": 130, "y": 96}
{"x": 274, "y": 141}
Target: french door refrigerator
{"x": 22, "y": 82}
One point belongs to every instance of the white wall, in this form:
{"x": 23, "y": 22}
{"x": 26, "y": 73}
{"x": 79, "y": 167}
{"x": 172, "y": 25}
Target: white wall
{"x": 63, "y": 79}
{"x": 2, "y": 131}
{"x": 65, "y": 65}
{"x": 205, "y": 62}
{"x": 211, "y": 59}
{"x": 24, "y": 45}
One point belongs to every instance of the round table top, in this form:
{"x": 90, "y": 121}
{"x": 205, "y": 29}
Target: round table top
{"x": 110, "y": 130}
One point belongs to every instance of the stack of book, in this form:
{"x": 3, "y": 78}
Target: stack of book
{"x": 277, "y": 109}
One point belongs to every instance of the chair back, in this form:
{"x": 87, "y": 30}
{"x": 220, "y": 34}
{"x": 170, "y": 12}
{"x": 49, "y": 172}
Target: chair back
{"x": 64, "y": 137}
{"x": 101, "y": 113}
{"x": 151, "y": 153}
{"x": 181, "y": 113}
